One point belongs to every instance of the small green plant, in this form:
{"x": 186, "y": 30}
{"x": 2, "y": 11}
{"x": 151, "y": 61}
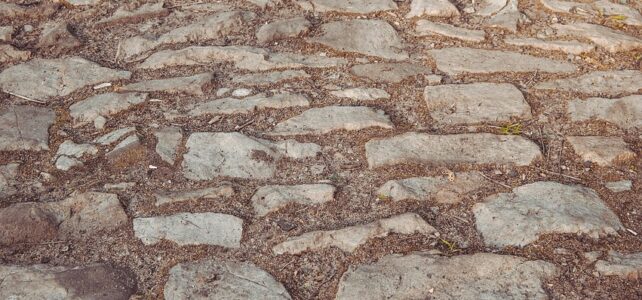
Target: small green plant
{"x": 452, "y": 247}
{"x": 382, "y": 197}
{"x": 511, "y": 129}
{"x": 617, "y": 18}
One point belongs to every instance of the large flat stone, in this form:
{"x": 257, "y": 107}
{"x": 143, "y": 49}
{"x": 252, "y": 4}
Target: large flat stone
{"x": 441, "y": 189}
{"x": 282, "y": 29}
{"x": 476, "y": 103}
{"x": 273, "y": 197}
{"x": 602, "y": 150}
{"x": 25, "y": 128}
{"x": 572, "y": 47}
{"x": 369, "y": 37}
{"x": 330, "y": 118}
{"x": 625, "y": 112}
{"x": 350, "y": 238}
{"x": 42, "y": 79}
{"x": 620, "y": 264}
{"x": 103, "y": 105}
{"x": 607, "y": 38}
{"x": 191, "y": 85}
{"x": 609, "y": 83}
{"x": 529, "y": 211}
{"x": 249, "y": 104}
{"x": 389, "y": 72}
{"x": 471, "y": 148}
{"x": 456, "y": 61}
{"x": 348, "y": 6}
{"x": 421, "y": 275}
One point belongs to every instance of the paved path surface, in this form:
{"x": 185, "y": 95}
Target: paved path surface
{"x": 321, "y": 149}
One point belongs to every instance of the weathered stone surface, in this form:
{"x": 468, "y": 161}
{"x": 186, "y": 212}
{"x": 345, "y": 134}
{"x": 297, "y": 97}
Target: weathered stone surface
{"x": 56, "y": 38}
{"x": 191, "y": 229}
{"x": 476, "y": 103}
{"x": 441, "y": 189}
{"x": 130, "y": 143}
{"x": 42, "y": 79}
{"x": 625, "y": 112}
{"x": 80, "y": 2}
{"x": 611, "y": 83}
{"x": 5, "y": 33}
{"x": 270, "y": 77}
{"x": 421, "y": 275}
{"x": 361, "y": 94}
{"x": 425, "y": 27}
{"x": 520, "y": 217}
{"x": 222, "y": 191}
{"x": 273, "y": 197}
{"x": 65, "y": 163}
{"x": 68, "y": 152}
{"x": 8, "y": 183}
{"x": 192, "y": 85}
{"x": 620, "y": 264}
{"x": 350, "y": 238}
{"x": 96, "y": 281}
{"x": 9, "y": 53}
{"x": 249, "y": 104}
{"x": 212, "y": 27}
{"x": 265, "y": 3}
{"x": 282, "y": 29}
{"x": 327, "y": 119}
{"x": 455, "y": 61}
{"x": 389, "y": 72}
{"x": 114, "y": 136}
{"x": 213, "y": 154}
{"x": 369, "y": 37}
{"x": 573, "y": 47}
{"x": 607, "y": 38}
{"x": 432, "y": 8}
{"x": 601, "y": 8}
{"x": 488, "y": 8}
{"x": 168, "y": 139}
{"x": 124, "y": 15}
{"x": 88, "y": 110}
{"x": 619, "y": 186}
{"x": 25, "y": 128}
{"x": 471, "y": 148}
{"x": 220, "y": 279}
{"x": 295, "y": 150}
{"x": 348, "y": 6}
{"x": 507, "y": 17}
{"x": 602, "y": 150}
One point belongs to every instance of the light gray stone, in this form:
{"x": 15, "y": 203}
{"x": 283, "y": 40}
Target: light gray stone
{"x": 625, "y": 112}
{"x": 361, "y": 94}
{"x": 456, "y": 61}
{"x": 65, "y": 163}
{"x": 8, "y": 174}
{"x": 619, "y": 186}
{"x": 191, "y": 85}
{"x": 507, "y": 17}
{"x": 441, "y": 189}
{"x": 611, "y": 83}
{"x": 221, "y": 279}
{"x": 168, "y": 139}
{"x": 620, "y": 264}
{"x": 350, "y": 238}
{"x": 295, "y": 150}
{"x": 86, "y": 111}
{"x": 488, "y": 8}
{"x": 5, "y": 33}
{"x": 602, "y": 150}
{"x": 427, "y": 28}
{"x": 389, "y": 72}
{"x": 114, "y": 136}
{"x": 222, "y": 191}
{"x": 601, "y": 8}
{"x": 469, "y": 148}
{"x": 432, "y": 8}
{"x": 422, "y": 275}
{"x": 369, "y": 37}
{"x": 249, "y": 104}
{"x": 282, "y": 29}
{"x": 520, "y": 217}
{"x": 274, "y": 197}
{"x": 71, "y": 149}
{"x": 25, "y": 128}
{"x": 191, "y": 229}
{"x": 125, "y": 15}
{"x": 348, "y": 6}
{"x": 10, "y": 53}
{"x": 476, "y": 103}
{"x": 330, "y": 118}
{"x": 607, "y": 38}
{"x": 572, "y": 47}
{"x": 270, "y": 77}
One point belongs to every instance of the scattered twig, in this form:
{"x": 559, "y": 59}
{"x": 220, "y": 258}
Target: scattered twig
{"x": 458, "y": 218}
{"x": 25, "y": 98}
{"x": 239, "y": 127}
{"x": 495, "y": 182}
{"x": 559, "y": 174}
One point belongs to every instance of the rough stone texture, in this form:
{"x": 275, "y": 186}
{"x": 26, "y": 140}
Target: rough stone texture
{"x": 348, "y": 6}
{"x": 471, "y": 148}
{"x": 619, "y": 186}
{"x": 610, "y": 83}
{"x": 361, "y": 94}
{"x": 222, "y": 191}
{"x": 5, "y": 33}
{"x": 421, "y": 275}
{"x": 620, "y": 264}
{"x": 249, "y": 104}
{"x": 369, "y": 37}
{"x": 625, "y": 112}
{"x": 602, "y": 150}
{"x": 282, "y": 29}
{"x": 56, "y": 38}
{"x": 572, "y": 47}
{"x": 221, "y": 279}
{"x": 507, "y": 17}
{"x": 130, "y": 143}
{"x": 607, "y": 38}
{"x": 602, "y": 7}
{"x": 8, "y": 183}
{"x": 88, "y": 110}
{"x": 191, "y": 229}
{"x": 270, "y": 77}
{"x": 114, "y": 136}
{"x": 327, "y": 119}
{"x": 389, "y": 72}
{"x": 168, "y": 139}
{"x": 42, "y": 79}
{"x": 191, "y": 85}
{"x": 488, "y": 8}
{"x": 476, "y": 103}
{"x": 520, "y": 217}
{"x": 126, "y": 15}
{"x": 273, "y": 197}
{"x": 91, "y": 282}
{"x": 432, "y": 8}
{"x": 68, "y": 152}
{"x": 425, "y": 27}
{"x": 350, "y": 238}
{"x": 65, "y": 163}
{"x": 441, "y": 189}
{"x": 25, "y": 128}
{"x": 455, "y": 61}
{"x": 9, "y": 53}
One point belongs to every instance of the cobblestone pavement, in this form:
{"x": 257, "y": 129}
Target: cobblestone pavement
{"x": 321, "y": 149}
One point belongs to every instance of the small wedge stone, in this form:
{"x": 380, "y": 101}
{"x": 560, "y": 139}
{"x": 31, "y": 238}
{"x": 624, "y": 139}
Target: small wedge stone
{"x": 442, "y": 189}
{"x": 330, "y": 118}
{"x": 619, "y": 186}
{"x": 619, "y": 264}
{"x": 249, "y": 104}
{"x": 361, "y": 94}
{"x": 168, "y": 141}
{"x": 572, "y": 47}
{"x": 602, "y": 150}
{"x": 273, "y": 197}
{"x": 5, "y": 33}
{"x": 611, "y": 83}
{"x": 114, "y": 136}
{"x": 607, "y": 38}
{"x": 222, "y": 191}
{"x": 282, "y": 29}
{"x": 191, "y": 85}
{"x": 625, "y": 112}
{"x": 425, "y": 27}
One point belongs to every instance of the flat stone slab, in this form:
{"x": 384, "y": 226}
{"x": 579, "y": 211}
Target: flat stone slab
{"x": 470, "y": 148}
{"x": 610, "y": 83}
{"x": 282, "y": 29}
{"x": 619, "y": 186}
{"x": 217, "y": 192}
{"x": 361, "y": 94}
{"x": 104, "y": 105}
{"x": 442, "y": 189}
{"x": 619, "y": 264}
{"x": 602, "y": 7}
{"x": 602, "y": 150}
{"x": 96, "y": 281}
{"x": 350, "y": 6}
{"x": 625, "y": 112}
{"x": 191, "y": 229}
{"x": 389, "y": 72}
{"x": 330, "y": 118}
{"x": 369, "y": 37}
{"x": 421, "y": 275}
{"x": 432, "y": 8}
{"x": 221, "y": 279}
{"x": 427, "y": 28}
{"x": 270, "y": 77}
{"x": 191, "y": 85}
{"x": 476, "y": 103}
{"x": 456, "y": 61}
{"x": 607, "y": 38}
{"x": 274, "y": 197}
{"x": 507, "y": 17}
{"x": 249, "y": 104}
{"x": 168, "y": 140}
{"x": 25, "y": 128}
{"x": 572, "y": 47}
{"x": 350, "y": 238}
{"x": 520, "y": 217}
{"x": 42, "y": 79}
